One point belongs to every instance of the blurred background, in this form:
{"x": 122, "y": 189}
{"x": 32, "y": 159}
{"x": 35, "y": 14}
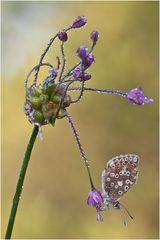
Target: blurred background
{"x": 53, "y": 203}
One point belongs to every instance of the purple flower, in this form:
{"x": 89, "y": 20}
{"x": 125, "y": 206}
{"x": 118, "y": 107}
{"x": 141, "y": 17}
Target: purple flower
{"x": 86, "y": 76}
{"x": 95, "y": 199}
{"x": 79, "y": 22}
{"x": 54, "y": 72}
{"x": 62, "y": 35}
{"x": 137, "y": 97}
{"x": 27, "y": 109}
{"x": 94, "y": 37}
{"x": 76, "y": 72}
{"x": 87, "y": 62}
{"x": 82, "y": 52}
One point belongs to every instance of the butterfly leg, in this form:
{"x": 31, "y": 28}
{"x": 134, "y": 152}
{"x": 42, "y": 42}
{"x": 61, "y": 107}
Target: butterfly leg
{"x": 122, "y": 211}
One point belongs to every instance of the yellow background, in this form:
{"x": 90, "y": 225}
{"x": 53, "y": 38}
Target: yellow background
{"x": 53, "y": 202}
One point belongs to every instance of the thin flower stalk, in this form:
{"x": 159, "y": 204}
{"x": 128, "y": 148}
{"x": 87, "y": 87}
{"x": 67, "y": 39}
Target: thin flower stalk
{"x": 80, "y": 148}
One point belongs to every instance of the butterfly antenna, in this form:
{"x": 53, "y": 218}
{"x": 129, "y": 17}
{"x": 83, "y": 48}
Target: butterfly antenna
{"x": 127, "y": 211}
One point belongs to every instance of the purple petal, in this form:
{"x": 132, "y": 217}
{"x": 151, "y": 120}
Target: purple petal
{"x": 137, "y": 97}
{"x": 79, "y": 22}
{"x": 94, "y": 37}
{"x": 82, "y": 52}
{"x": 99, "y": 217}
{"x": 62, "y": 35}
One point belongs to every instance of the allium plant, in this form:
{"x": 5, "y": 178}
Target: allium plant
{"x": 49, "y": 101}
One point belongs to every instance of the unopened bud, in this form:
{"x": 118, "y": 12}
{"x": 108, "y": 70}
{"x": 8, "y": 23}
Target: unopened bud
{"x": 61, "y": 114}
{"x": 55, "y": 98}
{"x": 35, "y": 102}
{"x": 38, "y": 116}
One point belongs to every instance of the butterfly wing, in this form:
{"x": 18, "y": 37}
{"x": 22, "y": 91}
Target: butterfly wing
{"x": 119, "y": 176}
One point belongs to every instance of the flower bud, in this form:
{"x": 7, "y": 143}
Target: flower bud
{"x": 55, "y": 98}
{"x": 61, "y": 114}
{"x": 48, "y": 85}
{"x": 60, "y": 89}
{"x": 27, "y": 108}
{"x": 95, "y": 199}
{"x": 38, "y": 116}
{"x": 136, "y": 96}
{"x": 94, "y": 37}
{"x": 36, "y": 91}
{"x": 62, "y": 35}
{"x": 82, "y": 52}
{"x": 48, "y": 110}
{"x": 79, "y": 22}
{"x": 35, "y": 102}
{"x": 87, "y": 62}
{"x": 76, "y": 72}
{"x": 67, "y": 101}
{"x": 43, "y": 98}
{"x": 54, "y": 72}
{"x": 86, "y": 76}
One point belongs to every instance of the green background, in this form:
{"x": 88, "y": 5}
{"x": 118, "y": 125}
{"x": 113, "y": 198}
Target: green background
{"x": 53, "y": 202}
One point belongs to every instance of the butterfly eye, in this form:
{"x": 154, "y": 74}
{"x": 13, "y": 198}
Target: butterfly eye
{"x": 117, "y": 175}
{"x": 120, "y": 173}
{"x": 108, "y": 179}
{"x": 116, "y": 186}
{"x": 126, "y": 158}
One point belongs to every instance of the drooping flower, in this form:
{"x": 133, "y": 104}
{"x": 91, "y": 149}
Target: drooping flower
{"x": 86, "y": 57}
{"x": 94, "y": 37}
{"x": 86, "y": 76}
{"x": 54, "y": 72}
{"x": 79, "y": 22}
{"x": 87, "y": 62}
{"x": 95, "y": 199}
{"x": 62, "y": 35}
{"x": 82, "y": 52}
{"x": 136, "y": 96}
{"x": 76, "y": 72}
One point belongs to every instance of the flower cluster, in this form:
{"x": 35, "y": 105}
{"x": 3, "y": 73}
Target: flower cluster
{"x": 48, "y": 101}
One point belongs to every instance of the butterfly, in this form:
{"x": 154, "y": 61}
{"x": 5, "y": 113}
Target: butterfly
{"x": 119, "y": 175}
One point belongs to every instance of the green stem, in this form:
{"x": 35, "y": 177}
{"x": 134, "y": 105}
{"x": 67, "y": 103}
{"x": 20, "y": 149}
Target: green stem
{"x": 20, "y": 182}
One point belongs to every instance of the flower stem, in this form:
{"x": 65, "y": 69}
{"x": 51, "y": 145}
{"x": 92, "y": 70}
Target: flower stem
{"x": 20, "y": 182}
{"x": 81, "y": 149}
{"x": 123, "y": 94}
